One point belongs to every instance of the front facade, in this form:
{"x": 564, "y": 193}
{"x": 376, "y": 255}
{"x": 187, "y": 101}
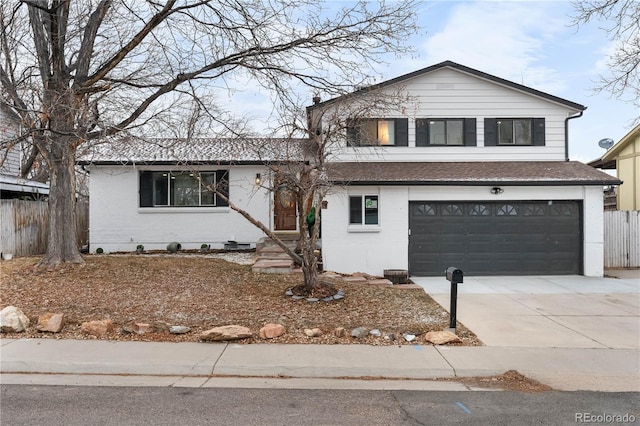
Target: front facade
{"x": 473, "y": 174}
{"x": 152, "y": 193}
{"x": 471, "y": 171}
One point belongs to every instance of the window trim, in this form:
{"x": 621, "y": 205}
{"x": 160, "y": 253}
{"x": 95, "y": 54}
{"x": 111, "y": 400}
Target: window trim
{"x": 469, "y": 131}
{"x": 362, "y": 224}
{"x": 355, "y": 134}
{"x": 538, "y": 131}
{"x": 147, "y": 192}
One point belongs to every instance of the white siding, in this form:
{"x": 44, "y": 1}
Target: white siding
{"x": 118, "y": 224}
{"x": 448, "y": 93}
{"x": 347, "y": 251}
{"x": 9, "y": 154}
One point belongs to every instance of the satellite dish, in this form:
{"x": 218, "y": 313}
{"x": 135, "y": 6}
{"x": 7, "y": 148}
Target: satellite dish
{"x": 605, "y": 143}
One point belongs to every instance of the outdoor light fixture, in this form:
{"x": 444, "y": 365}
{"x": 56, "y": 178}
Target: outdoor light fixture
{"x": 258, "y": 179}
{"x": 497, "y": 190}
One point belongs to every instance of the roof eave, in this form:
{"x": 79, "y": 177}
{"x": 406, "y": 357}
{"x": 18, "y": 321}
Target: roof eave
{"x": 480, "y": 183}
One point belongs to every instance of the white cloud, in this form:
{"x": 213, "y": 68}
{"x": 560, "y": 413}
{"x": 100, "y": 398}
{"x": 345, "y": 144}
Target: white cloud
{"x": 506, "y": 39}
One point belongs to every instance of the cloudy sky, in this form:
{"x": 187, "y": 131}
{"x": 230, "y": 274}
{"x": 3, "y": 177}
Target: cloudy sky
{"x": 531, "y": 43}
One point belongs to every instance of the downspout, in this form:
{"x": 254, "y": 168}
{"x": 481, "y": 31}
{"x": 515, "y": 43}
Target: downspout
{"x": 566, "y": 133}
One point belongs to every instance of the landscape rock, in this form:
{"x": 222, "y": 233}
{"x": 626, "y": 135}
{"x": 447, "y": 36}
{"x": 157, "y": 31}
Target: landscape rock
{"x": 226, "y": 332}
{"x": 160, "y": 327}
{"x": 270, "y": 331}
{"x": 441, "y": 337}
{"x": 179, "y": 329}
{"x": 313, "y": 332}
{"x": 409, "y": 337}
{"x": 97, "y": 328}
{"x": 50, "y": 322}
{"x": 13, "y": 320}
{"x": 142, "y": 328}
{"x": 375, "y": 332}
{"x": 340, "y": 332}
{"x": 360, "y": 332}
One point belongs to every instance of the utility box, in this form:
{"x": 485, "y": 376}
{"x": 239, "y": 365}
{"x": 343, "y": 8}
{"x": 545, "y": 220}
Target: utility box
{"x": 454, "y": 275}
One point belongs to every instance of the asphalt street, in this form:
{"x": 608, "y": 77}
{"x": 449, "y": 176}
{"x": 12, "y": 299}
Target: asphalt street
{"x": 70, "y": 406}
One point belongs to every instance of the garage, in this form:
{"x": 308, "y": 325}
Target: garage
{"x": 495, "y": 238}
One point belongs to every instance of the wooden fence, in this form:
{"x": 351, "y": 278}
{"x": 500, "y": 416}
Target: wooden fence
{"x": 622, "y": 239}
{"x": 24, "y": 226}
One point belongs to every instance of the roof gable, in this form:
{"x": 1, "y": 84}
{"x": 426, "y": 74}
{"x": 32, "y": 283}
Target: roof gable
{"x": 466, "y": 70}
{"x": 629, "y": 138}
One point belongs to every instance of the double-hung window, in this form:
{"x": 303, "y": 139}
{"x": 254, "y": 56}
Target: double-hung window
{"x": 514, "y": 131}
{"x": 182, "y": 188}
{"x": 363, "y": 210}
{"x": 445, "y": 131}
{"x": 378, "y": 132}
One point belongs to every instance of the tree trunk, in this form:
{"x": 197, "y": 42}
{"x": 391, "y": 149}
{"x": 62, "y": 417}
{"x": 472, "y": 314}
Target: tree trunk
{"x": 62, "y": 245}
{"x": 309, "y": 259}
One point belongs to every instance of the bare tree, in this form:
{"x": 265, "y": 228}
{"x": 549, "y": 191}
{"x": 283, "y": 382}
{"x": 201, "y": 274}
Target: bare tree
{"x": 81, "y": 71}
{"x": 621, "y": 19}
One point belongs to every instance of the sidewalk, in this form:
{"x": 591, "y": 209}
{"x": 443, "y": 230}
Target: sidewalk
{"x": 95, "y": 362}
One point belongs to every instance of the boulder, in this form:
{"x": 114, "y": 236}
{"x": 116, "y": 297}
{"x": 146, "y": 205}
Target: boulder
{"x": 360, "y": 332}
{"x": 13, "y": 320}
{"x": 179, "y": 329}
{"x": 97, "y": 328}
{"x": 50, "y": 322}
{"x": 142, "y": 328}
{"x": 340, "y": 332}
{"x": 161, "y": 327}
{"x": 313, "y": 332}
{"x": 270, "y": 331}
{"x": 441, "y": 337}
{"x": 226, "y": 332}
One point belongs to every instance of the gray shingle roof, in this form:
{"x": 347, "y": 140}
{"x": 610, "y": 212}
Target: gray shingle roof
{"x": 469, "y": 173}
{"x": 195, "y": 151}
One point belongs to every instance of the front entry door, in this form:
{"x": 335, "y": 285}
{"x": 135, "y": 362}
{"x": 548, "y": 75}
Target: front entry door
{"x": 284, "y": 209}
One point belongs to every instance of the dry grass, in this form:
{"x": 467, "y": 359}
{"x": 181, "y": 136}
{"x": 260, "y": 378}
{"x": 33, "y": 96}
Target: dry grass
{"x": 204, "y": 292}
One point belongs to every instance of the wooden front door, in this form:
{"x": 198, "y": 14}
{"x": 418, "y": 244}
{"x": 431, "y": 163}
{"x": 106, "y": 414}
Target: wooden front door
{"x": 284, "y": 209}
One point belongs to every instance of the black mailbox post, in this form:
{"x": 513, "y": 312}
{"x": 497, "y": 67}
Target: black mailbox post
{"x": 455, "y": 277}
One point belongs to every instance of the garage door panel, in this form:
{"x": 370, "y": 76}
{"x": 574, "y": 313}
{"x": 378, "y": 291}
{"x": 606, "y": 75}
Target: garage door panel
{"x": 489, "y": 238}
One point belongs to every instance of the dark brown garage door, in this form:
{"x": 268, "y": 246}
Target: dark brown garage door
{"x": 495, "y": 238}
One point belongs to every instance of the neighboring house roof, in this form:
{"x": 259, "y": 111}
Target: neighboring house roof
{"x": 466, "y": 70}
{"x": 608, "y": 160}
{"x": 194, "y": 151}
{"x": 16, "y": 184}
{"x": 469, "y": 173}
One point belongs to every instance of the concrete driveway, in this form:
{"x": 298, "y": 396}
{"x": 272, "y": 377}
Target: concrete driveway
{"x": 547, "y": 311}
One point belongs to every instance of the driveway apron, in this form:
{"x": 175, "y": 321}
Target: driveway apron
{"x": 546, "y": 311}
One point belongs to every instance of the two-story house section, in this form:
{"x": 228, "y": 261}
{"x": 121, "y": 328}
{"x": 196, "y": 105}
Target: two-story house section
{"x": 472, "y": 172}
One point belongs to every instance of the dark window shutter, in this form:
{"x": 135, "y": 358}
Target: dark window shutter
{"x": 352, "y": 133}
{"x": 222, "y": 183}
{"x": 538, "y": 127}
{"x": 146, "y": 189}
{"x": 422, "y": 132}
{"x": 490, "y": 132}
{"x": 470, "y": 138}
{"x": 402, "y": 132}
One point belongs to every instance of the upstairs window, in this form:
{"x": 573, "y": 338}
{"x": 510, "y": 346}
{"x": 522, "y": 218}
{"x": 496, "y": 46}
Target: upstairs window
{"x": 378, "y": 132}
{"x": 182, "y": 189}
{"x": 363, "y": 210}
{"x": 445, "y": 132}
{"x": 514, "y": 131}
